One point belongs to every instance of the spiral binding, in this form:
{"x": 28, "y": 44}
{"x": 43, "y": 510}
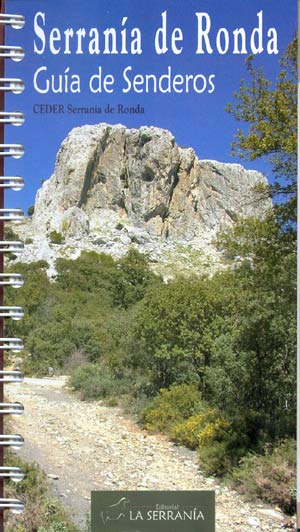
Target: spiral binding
{"x": 14, "y": 376}
{"x": 16, "y": 53}
{"x": 14, "y": 505}
{"x": 11, "y": 215}
{"x": 14, "y": 246}
{"x": 15, "y": 21}
{"x": 11, "y": 150}
{"x": 15, "y": 313}
{"x": 16, "y": 183}
{"x": 15, "y": 441}
{"x": 16, "y": 409}
{"x": 11, "y": 344}
{"x": 15, "y": 119}
{"x": 14, "y": 473}
{"x": 14, "y": 85}
{"x": 15, "y": 280}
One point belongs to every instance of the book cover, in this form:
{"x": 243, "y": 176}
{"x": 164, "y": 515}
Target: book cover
{"x": 159, "y": 264}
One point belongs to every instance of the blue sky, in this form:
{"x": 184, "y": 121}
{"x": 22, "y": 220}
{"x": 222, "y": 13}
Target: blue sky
{"x": 196, "y": 120}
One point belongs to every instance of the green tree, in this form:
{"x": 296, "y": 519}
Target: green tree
{"x": 174, "y": 330}
{"x": 255, "y": 356}
{"x": 271, "y": 113}
{"x": 261, "y": 247}
{"x": 91, "y": 272}
{"x": 134, "y": 278}
{"x": 253, "y": 365}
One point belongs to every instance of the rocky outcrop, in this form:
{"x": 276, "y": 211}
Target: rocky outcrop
{"x": 113, "y": 187}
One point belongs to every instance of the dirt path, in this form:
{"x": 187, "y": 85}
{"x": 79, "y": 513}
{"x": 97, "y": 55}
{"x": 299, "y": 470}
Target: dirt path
{"x": 88, "y": 446}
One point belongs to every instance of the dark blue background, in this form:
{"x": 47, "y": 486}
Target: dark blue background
{"x": 196, "y": 120}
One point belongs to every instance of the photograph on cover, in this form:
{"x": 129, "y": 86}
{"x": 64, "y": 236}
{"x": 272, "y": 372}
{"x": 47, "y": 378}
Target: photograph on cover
{"x": 158, "y": 256}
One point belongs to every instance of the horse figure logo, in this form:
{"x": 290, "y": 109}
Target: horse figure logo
{"x": 115, "y": 511}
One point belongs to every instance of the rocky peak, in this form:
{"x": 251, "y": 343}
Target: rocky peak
{"x": 113, "y": 187}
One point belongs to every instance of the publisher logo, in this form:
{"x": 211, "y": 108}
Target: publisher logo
{"x": 153, "y": 511}
{"x": 115, "y": 511}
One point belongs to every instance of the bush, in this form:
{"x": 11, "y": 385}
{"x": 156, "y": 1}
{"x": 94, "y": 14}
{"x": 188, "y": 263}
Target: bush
{"x": 41, "y": 512}
{"x": 9, "y": 233}
{"x": 74, "y": 360}
{"x": 56, "y": 237}
{"x": 220, "y": 442}
{"x": 221, "y": 447}
{"x": 271, "y": 477}
{"x": 181, "y": 413}
{"x": 175, "y": 328}
{"x": 171, "y": 406}
{"x": 214, "y": 459}
{"x": 56, "y": 527}
{"x": 98, "y": 382}
{"x": 200, "y": 429}
{"x": 134, "y": 277}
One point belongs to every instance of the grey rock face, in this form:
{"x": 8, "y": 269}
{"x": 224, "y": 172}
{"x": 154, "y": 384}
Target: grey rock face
{"x": 135, "y": 186}
{"x": 143, "y": 177}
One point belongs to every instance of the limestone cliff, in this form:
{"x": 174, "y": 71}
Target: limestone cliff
{"x": 113, "y": 187}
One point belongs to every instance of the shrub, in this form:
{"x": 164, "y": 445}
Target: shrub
{"x": 175, "y": 329}
{"x": 9, "y": 233}
{"x": 221, "y": 448}
{"x": 64, "y": 226}
{"x": 200, "y": 429}
{"x": 171, "y": 406}
{"x": 98, "y": 382}
{"x": 30, "y": 210}
{"x": 74, "y": 360}
{"x": 219, "y": 444}
{"x": 57, "y": 527}
{"x": 181, "y": 413}
{"x": 56, "y": 237}
{"x": 41, "y": 512}
{"x": 214, "y": 460}
{"x": 271, "y": 477}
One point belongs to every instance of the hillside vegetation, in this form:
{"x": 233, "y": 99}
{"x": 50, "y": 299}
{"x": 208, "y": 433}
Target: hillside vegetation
{"x": 208, "y": 360}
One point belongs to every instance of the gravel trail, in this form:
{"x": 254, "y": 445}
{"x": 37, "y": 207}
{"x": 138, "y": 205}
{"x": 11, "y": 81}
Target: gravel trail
{"x": 87, "y": 446}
